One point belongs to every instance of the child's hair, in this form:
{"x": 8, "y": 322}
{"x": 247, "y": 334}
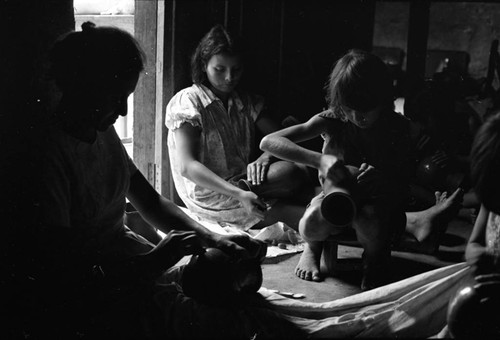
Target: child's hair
{"x": 93, "y": 55}
{"x": 216, "y": 41}
{"x": 485, "y": 162}
{"x": 360, "y": 81}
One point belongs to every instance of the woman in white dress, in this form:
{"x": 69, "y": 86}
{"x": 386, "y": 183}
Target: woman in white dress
{"x": 212, "y": 146}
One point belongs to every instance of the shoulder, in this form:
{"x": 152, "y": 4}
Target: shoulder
{"x": 333, "y": 118}
{"x": 330, "y": 119}
{"x": 188, "y": 94}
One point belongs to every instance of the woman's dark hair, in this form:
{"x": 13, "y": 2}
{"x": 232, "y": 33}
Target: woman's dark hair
{"x": 360, "y": 81}
{"x": 485, "y": 162}
{"x": 94, "y": 55}
{"x": 216, "y": 41}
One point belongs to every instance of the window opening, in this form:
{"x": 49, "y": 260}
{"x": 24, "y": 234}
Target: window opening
{"x": 118, "y": 13}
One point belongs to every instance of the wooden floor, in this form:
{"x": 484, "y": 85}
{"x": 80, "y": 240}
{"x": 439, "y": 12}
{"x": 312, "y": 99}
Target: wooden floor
{"x": 279, "y": 275}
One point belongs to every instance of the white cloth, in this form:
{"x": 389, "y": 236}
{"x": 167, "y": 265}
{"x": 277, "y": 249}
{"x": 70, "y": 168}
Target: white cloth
{"x": 414, "y": 307}
{"x": 227, "y": 143}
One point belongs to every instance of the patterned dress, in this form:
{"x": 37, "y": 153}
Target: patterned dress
{"x": 226, "y": 146}
{"x": 493, "y": 234}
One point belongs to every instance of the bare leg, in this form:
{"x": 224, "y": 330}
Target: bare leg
{"x": 284, "y": 180}
{"x": 374, "y": 235}
{"x": 314, "y": 229}
{"x": 427, "y": 226}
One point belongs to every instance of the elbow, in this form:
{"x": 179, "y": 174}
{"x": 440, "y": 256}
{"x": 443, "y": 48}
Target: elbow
{"x": 184, "y": 170}
{"x": 265, "y": 143}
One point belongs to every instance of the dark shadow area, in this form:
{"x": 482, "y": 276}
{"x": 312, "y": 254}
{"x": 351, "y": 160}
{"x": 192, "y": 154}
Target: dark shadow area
{"x": 451, "y": 240}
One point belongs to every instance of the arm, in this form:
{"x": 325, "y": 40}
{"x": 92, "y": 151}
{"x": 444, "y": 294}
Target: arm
{"x": 187, "y": 139}
{"x": 167, "y": 216}
{"x": 257, "y": 170}
{"x": 475, "y": 252}
{"x": 283, "y": 144}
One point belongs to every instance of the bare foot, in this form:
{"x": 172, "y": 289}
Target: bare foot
{"x": 308, "y": 266}
{"x": 428, "y": 226}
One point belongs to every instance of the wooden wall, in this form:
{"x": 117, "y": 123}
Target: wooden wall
{"x": 291, "y": 48}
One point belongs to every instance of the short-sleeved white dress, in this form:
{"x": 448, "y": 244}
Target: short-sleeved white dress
{"x": 226, "y": 145}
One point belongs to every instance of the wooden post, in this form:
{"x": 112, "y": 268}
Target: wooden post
{"x": 145, "y": 28}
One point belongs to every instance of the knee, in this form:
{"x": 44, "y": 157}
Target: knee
{"x": 312, "y": 225}
{"x": 309, "y": 224}
{"x": 290, "y": 174}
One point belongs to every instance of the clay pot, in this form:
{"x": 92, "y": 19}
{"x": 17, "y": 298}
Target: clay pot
{"x": 432, "y": 176}
{"x": 339, "y": 205}
{"x": 212, "y": 278}
{"x": 474, "y": 311}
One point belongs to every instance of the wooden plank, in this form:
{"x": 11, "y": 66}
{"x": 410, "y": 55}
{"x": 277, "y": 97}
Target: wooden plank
{"x": 163, "y": 182}
{"x": 144, "y": 96}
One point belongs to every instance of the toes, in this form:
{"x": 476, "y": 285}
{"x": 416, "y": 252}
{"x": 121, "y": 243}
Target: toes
{"x": 437, "y": 194}
{"x": 316, "y": 277}
{"x": 300, "y": 273}
{"x": 458, "y": 192}
{"x": 307, "y": 275}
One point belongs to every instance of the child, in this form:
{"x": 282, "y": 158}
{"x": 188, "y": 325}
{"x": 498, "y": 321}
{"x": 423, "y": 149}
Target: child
{"x": 359, "y": 129}
{"x": 212, "y": 126}
{"x": 483, "y": 249}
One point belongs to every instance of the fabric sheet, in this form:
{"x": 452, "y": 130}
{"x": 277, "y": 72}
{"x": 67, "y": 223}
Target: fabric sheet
{"x": 414, "y": 307}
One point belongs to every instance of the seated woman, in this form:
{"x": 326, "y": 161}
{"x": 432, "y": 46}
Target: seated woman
{"x": 212, "y": 145}
{"x": 78, "y": 271}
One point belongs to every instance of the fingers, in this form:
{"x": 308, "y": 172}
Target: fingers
{"x": 422, "y": 142}
{"x": 184, "y": 242}
{"x": 367, "y": 172}
{"x": 256, "y": 172}
{"x": 440, "y": 159}
{"x": 457, "y": 192}
{"x": 440, "y": 195}
{"x": 488, "y": 277}
{"x": 192, "y": 245}
{"x": 242, "y": 247}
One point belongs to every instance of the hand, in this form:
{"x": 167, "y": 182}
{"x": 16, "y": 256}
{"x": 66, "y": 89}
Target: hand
{"x": 440, "y": 158}
{"x": 239, "y": 246}
{"x": 368, "y": 175}
{"x": 483, "y": 262}
{"x": 257, "y": 170}
{"x": 174, "y": 246}
{"x": 253, "y": 204}
{"x": 422, "y": 142}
